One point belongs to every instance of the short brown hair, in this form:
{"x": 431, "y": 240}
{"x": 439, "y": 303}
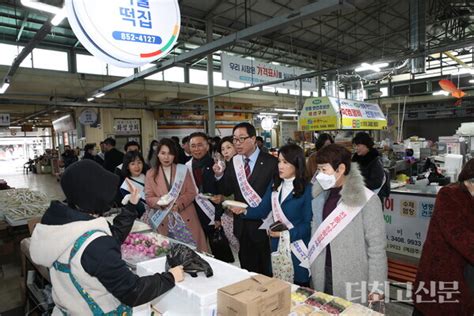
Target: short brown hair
{"x": 334, "y": 155}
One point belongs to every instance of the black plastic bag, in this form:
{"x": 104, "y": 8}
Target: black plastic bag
{"x": 192, "y": 263}
{"x": 220, "y": 246}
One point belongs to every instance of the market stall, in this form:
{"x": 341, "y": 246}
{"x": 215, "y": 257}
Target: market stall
{"x": 407, "y": 214}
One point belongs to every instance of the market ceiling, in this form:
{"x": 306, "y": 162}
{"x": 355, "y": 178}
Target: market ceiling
{"x": 362, "y": 30}
{"x": 373, "y": 29}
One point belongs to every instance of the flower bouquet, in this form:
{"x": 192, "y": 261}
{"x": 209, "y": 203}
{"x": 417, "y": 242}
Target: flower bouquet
{"x": 139, "y": 247}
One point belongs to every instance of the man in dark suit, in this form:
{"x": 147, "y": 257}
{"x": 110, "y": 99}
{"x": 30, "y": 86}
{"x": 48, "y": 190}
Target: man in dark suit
{"x": 254, "y": 251}
{"x": 203, "y": 175}
{"x": 112, "y": 157}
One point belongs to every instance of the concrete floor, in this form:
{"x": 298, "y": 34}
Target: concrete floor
{"x": 11, "y": 296}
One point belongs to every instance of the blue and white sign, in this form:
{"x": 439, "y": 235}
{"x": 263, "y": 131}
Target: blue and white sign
{"x": 125, "y": 33}
{"x": 88, "y": 117}
{"x": 254, "y": 72}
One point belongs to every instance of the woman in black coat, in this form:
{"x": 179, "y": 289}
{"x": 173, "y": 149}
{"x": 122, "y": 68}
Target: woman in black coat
{"x": 369, "y": 162}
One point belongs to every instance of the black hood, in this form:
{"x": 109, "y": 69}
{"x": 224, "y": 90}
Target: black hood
{"x": 367, "y": 159}
{"x": 60, "y": 214}
{"x": 89, "y": 187}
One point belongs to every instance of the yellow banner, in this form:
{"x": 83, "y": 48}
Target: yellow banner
{"x": 362, "y": 124}
{"x": 320, "y": 123}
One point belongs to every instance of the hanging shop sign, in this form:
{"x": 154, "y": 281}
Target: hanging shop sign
{"x": 64, "y": 124}
{"x": 127, "y": 127}
{"x": 254, "y": 72}
{"x": 125, "y": 33}
{"x": 4, "y": 119}
{"x": 328, "y": 113}
{"x": 407, "y": 218}
{"x": 88, "y": 117}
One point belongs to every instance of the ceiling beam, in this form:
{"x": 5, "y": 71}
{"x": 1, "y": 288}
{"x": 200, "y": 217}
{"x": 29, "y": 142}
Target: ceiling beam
{"x": 260, "y": 29}
{"x": 39, "y": 36}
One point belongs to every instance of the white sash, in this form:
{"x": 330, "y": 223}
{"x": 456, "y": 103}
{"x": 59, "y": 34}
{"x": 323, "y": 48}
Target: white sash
{"x": 299, "y": 249}
{"x": 205, "y": 205}
{"x": 251, "y": 197}
{"x": 332, "y": 226}
{"x": 277, "y": 211}
{"x": 160, "y": 215}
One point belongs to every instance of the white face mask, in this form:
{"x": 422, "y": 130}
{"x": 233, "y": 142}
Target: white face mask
{"x": 155, "y": 148}
{"x": 326, "y": 181}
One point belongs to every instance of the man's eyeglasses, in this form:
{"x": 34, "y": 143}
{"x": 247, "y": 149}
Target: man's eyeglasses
{"x": 240, "y": 139}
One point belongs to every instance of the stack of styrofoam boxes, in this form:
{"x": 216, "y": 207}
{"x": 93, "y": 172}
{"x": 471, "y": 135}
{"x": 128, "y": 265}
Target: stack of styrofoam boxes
{"x": 193, "y": 296}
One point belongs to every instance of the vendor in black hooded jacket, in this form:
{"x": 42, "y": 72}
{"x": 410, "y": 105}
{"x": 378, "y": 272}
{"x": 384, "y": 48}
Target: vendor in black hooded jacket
{"x": 369, "y": 161}
{"x": 82, "y": 250}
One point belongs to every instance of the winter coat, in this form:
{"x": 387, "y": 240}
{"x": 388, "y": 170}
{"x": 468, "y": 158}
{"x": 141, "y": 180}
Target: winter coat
{"x": 299, "y": 213}
{"x": 371, "y": 168}
{"x": 155, "y": 188}
{"x": 358, "y": 252}
{"x": 447, "y": 254}
{"x": 97, "y": 266}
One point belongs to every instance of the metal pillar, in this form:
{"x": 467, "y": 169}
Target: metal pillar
{"x": 319, "y": 78}
{"x": 211, "y": 126}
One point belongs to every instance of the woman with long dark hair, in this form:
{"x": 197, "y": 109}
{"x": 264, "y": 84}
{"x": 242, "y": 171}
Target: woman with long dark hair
{"x": 133, "y": 169}
{"x": 166, "y": 174}
{"x": 289, "y": 200}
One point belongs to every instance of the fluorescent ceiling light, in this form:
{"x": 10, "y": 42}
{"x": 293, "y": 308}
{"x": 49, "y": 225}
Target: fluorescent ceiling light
{"x": 90, "y": 99}
{"x": 14, "y": 127}
{"x": 374, "y": 67}
{"x": 284, "y": 110}
{"x": 441, "y": 92}
{"x": 60, "y": 119}
{"x": 267, "y": 113}
{"x": 41, "y": 6}
{"x": 99, "y": 95}
{"x": 4, "y": 87}
{"x": 290, "y": 115}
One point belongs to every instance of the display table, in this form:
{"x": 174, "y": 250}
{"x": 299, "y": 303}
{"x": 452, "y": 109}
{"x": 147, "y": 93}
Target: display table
{"x": 198, "y": 296}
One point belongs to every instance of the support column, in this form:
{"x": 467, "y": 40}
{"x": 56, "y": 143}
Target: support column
{"x": 320, "y": 79}
{"x": 211, "y": 127}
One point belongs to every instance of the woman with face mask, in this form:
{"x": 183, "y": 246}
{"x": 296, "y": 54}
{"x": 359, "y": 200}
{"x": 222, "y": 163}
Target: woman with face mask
{"x": 347, "y": 249}
{"x": 288, "y": 198}
{"x": 447, "y": 258}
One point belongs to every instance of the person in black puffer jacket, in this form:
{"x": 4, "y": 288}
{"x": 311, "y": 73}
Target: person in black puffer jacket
{"x": 369, "y": 162}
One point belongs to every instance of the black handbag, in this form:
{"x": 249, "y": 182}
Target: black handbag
{"x": 220, "y": 246}
{"x": 278, "y": 227}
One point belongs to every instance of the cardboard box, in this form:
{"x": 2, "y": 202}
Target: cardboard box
{"x": 258, "y": 295}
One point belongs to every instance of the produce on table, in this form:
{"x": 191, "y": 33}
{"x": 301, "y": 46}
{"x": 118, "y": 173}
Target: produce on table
{"x": 138, "y": 247}
{"x": 19, "y": 204}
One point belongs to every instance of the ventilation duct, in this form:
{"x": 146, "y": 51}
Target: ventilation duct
{"x": 417, "y": 35}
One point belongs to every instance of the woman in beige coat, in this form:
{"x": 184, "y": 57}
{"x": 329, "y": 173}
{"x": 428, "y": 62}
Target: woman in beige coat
{"x": 159, "y": 181}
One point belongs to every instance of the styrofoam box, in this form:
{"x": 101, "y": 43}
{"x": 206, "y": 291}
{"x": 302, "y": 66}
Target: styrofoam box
{"x": 193, "y": 296}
